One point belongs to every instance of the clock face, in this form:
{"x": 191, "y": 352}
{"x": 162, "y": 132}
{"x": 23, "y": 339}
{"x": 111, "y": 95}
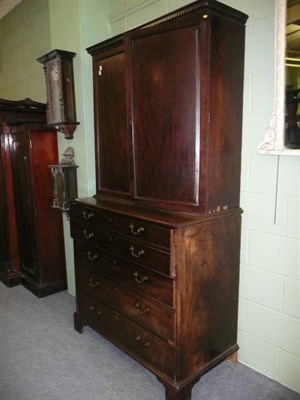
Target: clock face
{"x": 54, "y": 72}
{"x": 55, "y": 108}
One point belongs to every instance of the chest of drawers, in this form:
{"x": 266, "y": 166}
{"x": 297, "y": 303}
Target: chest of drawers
{"x": 161, "y": 286}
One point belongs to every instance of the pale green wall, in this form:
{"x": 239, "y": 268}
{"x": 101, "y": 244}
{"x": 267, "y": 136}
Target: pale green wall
{"x": 24, "y": 36}
{"x": 75, "y": 25}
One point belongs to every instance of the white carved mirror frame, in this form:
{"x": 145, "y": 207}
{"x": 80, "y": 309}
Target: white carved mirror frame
{"x": 273, "y": 142}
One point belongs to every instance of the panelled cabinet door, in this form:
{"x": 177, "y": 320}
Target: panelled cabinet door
{"x": 165, "y": 115}
{"x": 4, "y": 211}
{"x": 24, "y": 202}
{"x": 112, "y": 139}
{"x": 34, "y": 148}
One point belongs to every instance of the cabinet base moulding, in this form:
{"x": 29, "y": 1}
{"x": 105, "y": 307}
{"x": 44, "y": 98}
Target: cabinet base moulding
{"x": 43, "y": 290}
{"x": 11, "y": 280}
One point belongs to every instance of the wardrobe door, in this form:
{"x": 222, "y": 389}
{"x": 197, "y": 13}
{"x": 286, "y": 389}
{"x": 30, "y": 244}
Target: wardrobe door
{"x": 166, "y": 117}
{"x": 9, "y": 250}
{"x": 26, "y": 213}
{"x": 4, "y": 237}
{"x": 34, "y": 148}
{"x": 112, "y": 139}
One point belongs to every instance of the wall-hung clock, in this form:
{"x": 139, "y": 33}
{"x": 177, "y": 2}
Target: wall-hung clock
{"x": 61, "y": 107}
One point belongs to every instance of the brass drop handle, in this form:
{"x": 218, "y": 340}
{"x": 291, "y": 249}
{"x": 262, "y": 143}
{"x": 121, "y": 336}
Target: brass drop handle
{"x": 142, "y": 279}
{"x": 136, "y": 231}
{"x": 92, "y": 257}
{"x": 87, "y": 215}
{"x": 88, "y": 235}
{"x": 93, "y": 282}
{"x": 139, "y": 309}
{"x": 92, "y": 308}
{"x": 134, "y": 254}
{"x": 146, "y": 344}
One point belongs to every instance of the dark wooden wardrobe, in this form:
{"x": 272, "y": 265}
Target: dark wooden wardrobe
{"x": 31, "y": 241}
{"x": 157, "y": 248}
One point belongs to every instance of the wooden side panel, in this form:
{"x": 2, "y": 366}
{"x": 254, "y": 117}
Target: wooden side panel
{"x": 226, "y": 102}
{"x": 49, "y": 229}
{"x": 207, "y": 287}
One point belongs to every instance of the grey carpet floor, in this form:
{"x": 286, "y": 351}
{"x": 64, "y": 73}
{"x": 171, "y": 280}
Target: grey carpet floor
{"x": 43, "y": 358}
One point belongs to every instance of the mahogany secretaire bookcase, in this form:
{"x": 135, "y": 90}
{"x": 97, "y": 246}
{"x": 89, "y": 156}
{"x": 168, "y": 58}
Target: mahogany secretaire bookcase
{"x": 157, "y": 248}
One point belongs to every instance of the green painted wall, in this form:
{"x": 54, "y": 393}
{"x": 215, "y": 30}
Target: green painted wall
{"x": 24, "y": 36}
{"x": 75, "y": 25}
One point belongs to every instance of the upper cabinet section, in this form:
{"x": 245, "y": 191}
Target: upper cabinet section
{"x": 168, "y": 110}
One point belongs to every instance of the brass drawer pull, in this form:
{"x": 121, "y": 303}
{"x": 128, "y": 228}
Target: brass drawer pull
{"x": 92, "y": 308}
{"x": 140, "y": 311}
{"x": 91, "y": 257}
{"x": 137, "y": 231}
{"x": 138, "y": 254}
{"x": 87, "y": 215}
{"x": 146, "y": 344}
{"x": 142, "y": 279}
{"x": 87, "y": 235}
{"x": 93, "y": 283}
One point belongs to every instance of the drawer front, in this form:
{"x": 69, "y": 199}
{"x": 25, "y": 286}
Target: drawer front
{"x": 132, "y": 275}
{"x": 154, "y": 316}
{"x": 134, "y": 339}
{"x": 132, "y": 227}
{"x": 133, "y": 251}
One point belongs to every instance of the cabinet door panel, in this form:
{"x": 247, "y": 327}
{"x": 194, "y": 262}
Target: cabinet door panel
{"x": 111, "y": 126}
{"x": 165, "y": 96}
{"x": 4, "y": 238}
{"x": 24, "y": 203}
{"x": 9, "y": 249}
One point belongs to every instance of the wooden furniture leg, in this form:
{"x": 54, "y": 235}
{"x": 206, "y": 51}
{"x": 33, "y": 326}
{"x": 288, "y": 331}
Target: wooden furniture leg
{"x": 233, "y": 358}
{"x": 180, "y": 394}
{"x": 78, "y": 324}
